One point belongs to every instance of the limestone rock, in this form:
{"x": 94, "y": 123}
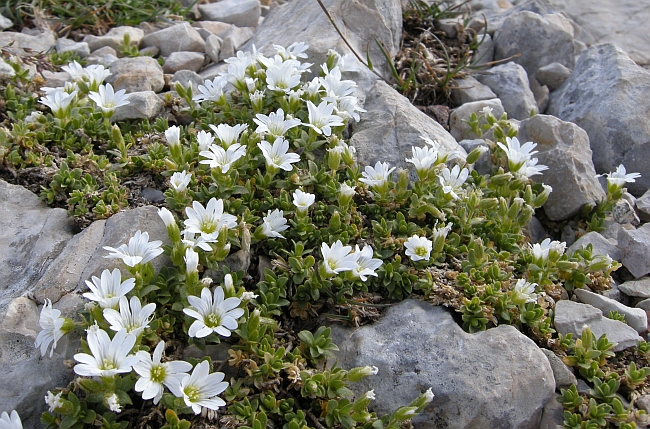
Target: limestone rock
{"x": 510, "y": 83}
{"x": 606, "y": 95}
{"x": 142, "y": 105}
{"x": 114, "y": 38}
{"x": 238, "y": 35}
{"x": 39, "y": 43}
{"x": 242, "y": 13}
{"x": 5, "y": 22}
{"x": 183, "y": 60}
{"x": 639, "y": 288}
{"x": 571, "y": 316}
{"x": 136, "y": 74}
{"x": 469, "y": 89}
{"x": 643, "y": 206}
{"x": 33, "y": 235}
{"x": 564, "y": 148}
{"x": 187, "y": 77}
{"x": 179, "y": 37}
{"x": 66, "y": 45}
{"x": 634, "y": 245}
{"x": 417, "y": 346}
{"x": 213, "y": 47}
{"x": 601, "y": 245}
{"x": 541, "y": 40}
{"x": 634, "y": 317}
{"x": 215, "y": 27}
{"x": 460, "y": 130}
{"x": 541, "y": 94}
{"x": 361, "y": 22}
{"x": 552, "y": 75}
{"x": 564, "y": 378}
{"x": 391, "y": 126}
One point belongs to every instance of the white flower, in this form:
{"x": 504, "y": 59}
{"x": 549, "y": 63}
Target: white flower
{"x": 335, "y": 88}
{"x": 274, "y": 223}
{"x": 155, "y": 374}
{"x": 218, "y": 157}
{"x": 58, "y": 101}
{"x": 348, "y": 63}
{"x": 293, "y": 51}
{"x": 303, "y": 200}
{"x": 428, "y": 395}
{"x": 348, "y": 107}
{"x": 53, "y": 401}
{"x": 204, "y": 139}
{"x": 213, "y": 314}
{"x": 138, "y": 251}
{"x": 452, "y": 180}
{"x": 620, "y": 177}
{"x": 313, "y": 88}
{"x": 191, "y": 260}
{"x": 227, "y": 134}
{"x": 75, "y": 70}
{"x": 202, "y": 242}
{"x": 107, "y": 99}
{"x": 378, "y": 175}
{"x": 531, "y": 169}
{"x": 96, "y": 74}
{"x": 173, "y": 135}
{"x": 423, "y": 158}
{"x": 166, "y": 216}
{"x": 109, "y": 357}
{"x": 113, "y": 403}
{"x": 247, "y": 296}
{"x": 257, "y": 100}
{"x": 487, "y": 111}
{"x": 274, "y": 124}
{"x": 370, "y": 395}
{"x": 133, "y": 318}
{"x": 366, "y": 264}
{"x": 338, "y": 258}
{"x": 180, "y": 180}
{"x": 347, "y": 190}
{"x": 443, "y": 154}
{"x": 51, "y": 323}
{"x": 209, "y": 220}
{"x": 523, "y": 292}
{"x": 321, "y": 118}
{"x": 282, "y": 77}
{"x": 276, "y": 156}
{"x": 108, "y": 290}
{"x": 211, "y": 90}
{"x": 201, "y": 388}
{"x": 418, "y": 248}
{"x": 12, "y": 422}
{"x": 541, "y": 250}
{"x": 519, "y": 156}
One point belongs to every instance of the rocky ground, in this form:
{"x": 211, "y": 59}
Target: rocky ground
{"x": 588, "y": 84}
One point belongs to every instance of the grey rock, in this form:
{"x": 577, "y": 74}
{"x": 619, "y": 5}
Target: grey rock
{"x": 568, "y": 235}
{"x": 187, "y": 77}
{"x": 450, "y": 26}
{"x": 213, "y": 47}
{"x": 361, "y": 22}
{"x": 64, "y": 274}
{"x": 215, "y": 27}
{"x": 42, "y": 42}
{"x": 227, "y": 49}
{"x": 643, "y": 402}
{"x": 639, "y": 288}
{"x": 242, "y": 13}
{"x": 118, "y": 230}
{"x": 644, "y": 305}
{"x": 552, "y": 75}
{"x": 553, "y": 415}
{"x": 97, "y": 56}
{"x": 541, "y": 40}
{"x": 634, "y": 245}
{"x": 541, "y": 94}
{"x": 391, "y": 126}
{"x": 606, "y": 95}
{"x": 153, "y": 195}
{"x": 179, "y": 37}
{"x": 183, "y": 60}
{"x": 5, "y": 22}
{"x": 238, "y": 35}
{"x": 460, "y": 130}
{"x": 204, "y": 33}
{"x": 5, "y": 69}
{"x": 417, "y": 346}
{"x": 564, "y": 148}
{"x": 66, "y": 45}
{"x": 571, "y": 316}
{"x": 137, "y": 74}
{"x": 150, "y": 51}
{"x": 142, "y": 105}
{"x": 26, "y": 376}
{"x": 33, "y": 236}
{"x": 510, "y": 83}
{"x": 485, "y": 52}
{"x": 114, "y": 38}
{"x": 535, "y": 231}
{"x": 600, "y": 22}
{"x": 623, "y": 213}
{"x": 634, "y": 317}
{"x": 613, "y": 292}
{"x": 213, "y": 71}
{"x": 601, "y": 245}
{"x": 564, "y": 378}
{"x": 55, "y": 79}
{"x": 469, "y": 89}
{"x": 643, "y": 206}
{"x": 484, "y": 163}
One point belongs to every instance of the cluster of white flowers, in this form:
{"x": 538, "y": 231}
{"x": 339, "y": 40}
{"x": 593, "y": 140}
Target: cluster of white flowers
{"x": 61, "y": 99}
{"x": 520, "y": 161}
{"x": 340, "y": 258}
